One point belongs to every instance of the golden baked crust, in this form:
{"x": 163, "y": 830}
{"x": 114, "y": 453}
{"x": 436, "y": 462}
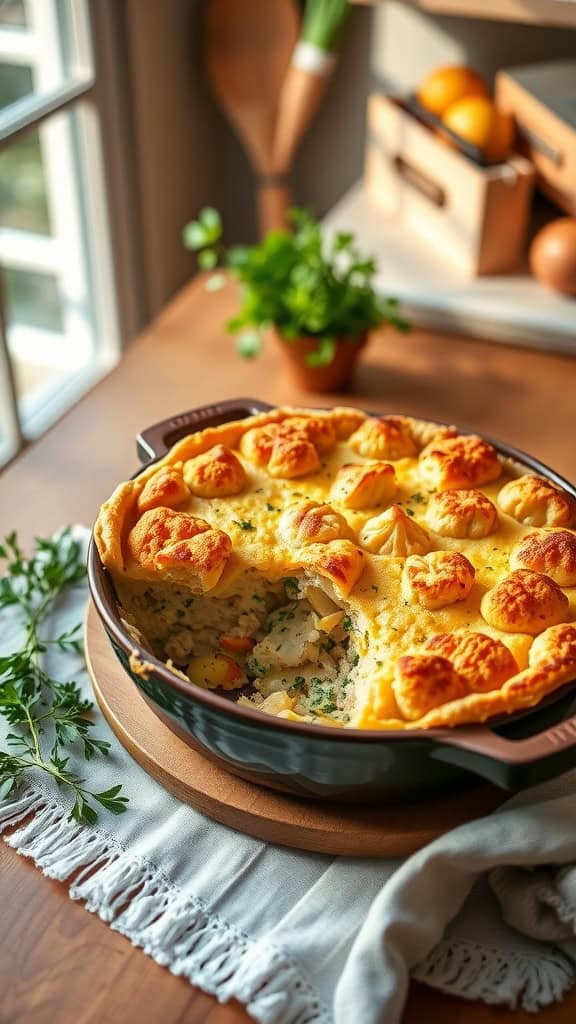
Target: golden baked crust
{"x": 455, "y": 462}
{"x": 555, "y": 642}
{"x": 388, "y": 437}
{"x": 481, "y": 661}
{"x": 364, "y": 486}
{"x": 291, "y": 459}
{"x": 552, "y": 553}
{"x": 534, "y": 501}
{"x": 179, "y": 547}
{"x": 216, "y": 473}
{"x": 308, "y": 522}
{"x": 461, "y": 514}
{"x": 395, "y": 533}
{"x": 268, "y": 551}
{"x": 525, "y": 602}
{"x": 437, "y": 579}
{"x": 423, "y": 681}
{"x": 166, "y": 489}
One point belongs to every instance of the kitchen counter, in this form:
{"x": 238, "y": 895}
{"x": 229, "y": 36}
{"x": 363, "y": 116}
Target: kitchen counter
{"x": 59, "y": 963}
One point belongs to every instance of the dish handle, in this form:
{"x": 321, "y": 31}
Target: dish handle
{"x": 155, "y": 441}
{"x": 509, "y": 763}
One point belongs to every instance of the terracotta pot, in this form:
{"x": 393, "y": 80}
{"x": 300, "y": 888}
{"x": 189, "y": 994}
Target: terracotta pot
{"x": 337, "y": 376}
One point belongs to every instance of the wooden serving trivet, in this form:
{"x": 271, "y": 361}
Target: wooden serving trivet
{"x": 353, "y": 830}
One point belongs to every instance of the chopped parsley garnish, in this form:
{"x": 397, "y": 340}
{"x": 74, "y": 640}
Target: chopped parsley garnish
{"x": 418, "y": 498}
{"x": 255, "y": 668}
{"x": 354, "y": 659}
{"x": 409, "y": 512}
{"x": 244, "y": 524}
{"x": 347, "y": 623}
{"x": 291, "y": 586}
{"x": 322, "y": 697}
{"x": 271, "y": 508}
{"x": 299, "y": 683}
{"x": 284, "y": 616}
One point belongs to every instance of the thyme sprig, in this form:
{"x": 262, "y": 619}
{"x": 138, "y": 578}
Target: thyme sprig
{"x": 50, "y": 716}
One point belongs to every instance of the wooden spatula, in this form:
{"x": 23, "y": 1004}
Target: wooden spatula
{"x": 247, "y": 50}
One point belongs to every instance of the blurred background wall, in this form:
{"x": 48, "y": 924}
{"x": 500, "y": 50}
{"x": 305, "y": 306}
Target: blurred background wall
{"x": 188, "y": 157}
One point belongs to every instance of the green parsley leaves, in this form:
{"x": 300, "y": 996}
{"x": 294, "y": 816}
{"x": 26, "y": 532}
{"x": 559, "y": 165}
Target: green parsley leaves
{"x": 33, "y": 702}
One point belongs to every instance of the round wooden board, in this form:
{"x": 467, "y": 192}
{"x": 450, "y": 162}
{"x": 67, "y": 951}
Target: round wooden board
{"x": 353, "y": 830}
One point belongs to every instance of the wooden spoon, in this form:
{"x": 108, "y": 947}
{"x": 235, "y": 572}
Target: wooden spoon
{"x": 247, "y": 51}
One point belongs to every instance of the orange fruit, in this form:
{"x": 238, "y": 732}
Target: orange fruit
{"x": 479, "y": 122}
{"x": 445, "y": 86}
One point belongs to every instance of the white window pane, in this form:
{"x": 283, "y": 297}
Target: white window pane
{"x": 16, "y": 81}
{"x": 13, "y": 13}
{"x": 44, "y": 45}
{"x": 23, "y": 193}
{"x": 33, "y": 299}
{"x": 60, "y": 320}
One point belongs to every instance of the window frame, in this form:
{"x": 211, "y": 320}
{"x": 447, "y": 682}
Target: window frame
{"x": 97, "y": 88}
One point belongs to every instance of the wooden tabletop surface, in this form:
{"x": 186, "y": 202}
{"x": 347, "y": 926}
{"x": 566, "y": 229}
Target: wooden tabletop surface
{"x": 58, "y": 963}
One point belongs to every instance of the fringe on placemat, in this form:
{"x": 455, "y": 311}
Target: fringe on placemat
{"x": 136, "y": 899}
{"x": 471, "y": 970}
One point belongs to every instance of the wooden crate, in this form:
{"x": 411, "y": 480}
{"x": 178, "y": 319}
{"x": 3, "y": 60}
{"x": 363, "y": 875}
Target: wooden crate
{"x": 476, "y": 217}
{"x": 540, "y": 97}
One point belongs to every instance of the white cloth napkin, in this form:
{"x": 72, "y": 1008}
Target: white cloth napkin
{"x": 303, "y": 938}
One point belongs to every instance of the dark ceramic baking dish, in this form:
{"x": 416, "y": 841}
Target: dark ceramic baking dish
{"x": 338, "y": 764}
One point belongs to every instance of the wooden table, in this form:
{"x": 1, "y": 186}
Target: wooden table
{"x": 59, "y": 964}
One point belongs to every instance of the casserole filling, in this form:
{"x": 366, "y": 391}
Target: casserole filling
{"x": 289, "y": 642}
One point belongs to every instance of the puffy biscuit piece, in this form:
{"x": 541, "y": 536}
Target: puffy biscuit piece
{"x": 166, "y": 488}
{"x": 179, "y": 547}
{"x": 309, "y": 522}
{"x": 394, "y": 533}
{"x": 320, "y": 430}
{"x": 386, "y": 437}
{"x": 291, "y": 459}
{"x": 346, "y": 420}
{"x": 339, "y": 561}
{"x": 483, "y": 663}
{"x": 424, "y": 432}
{"x": 258, "y": 444}
{"x": 552, "y": 553}
{"x": 535, "y": 501}
{"x": 437, "y": 579}
{"x": 109, "y": 526}
{"x": 555, "y": 642}
{"x": 456, "y": 462}
{"x": 462, "y": 514}
{"x": 217, "y": 473}
{"x": 423, "y": 682}
{"x": 364, "y": 485}
{"x": 525, "y": 602}
{"x": 523, "y": 690}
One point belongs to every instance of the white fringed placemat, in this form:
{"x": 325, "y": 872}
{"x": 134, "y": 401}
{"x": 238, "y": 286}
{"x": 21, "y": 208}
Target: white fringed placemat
{"x": 303, "y": 938}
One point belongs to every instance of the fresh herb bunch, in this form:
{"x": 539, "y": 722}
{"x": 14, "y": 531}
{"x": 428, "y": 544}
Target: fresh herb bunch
{"x": 30, "y": 699}
{"x": 298, "y": 282}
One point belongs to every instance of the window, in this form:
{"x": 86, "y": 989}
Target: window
{"x": 58, "y": 317}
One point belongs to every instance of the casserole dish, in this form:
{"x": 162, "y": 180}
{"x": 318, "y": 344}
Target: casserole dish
{"x": 308, "y": 759}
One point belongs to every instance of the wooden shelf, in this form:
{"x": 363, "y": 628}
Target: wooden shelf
{"x": 527, "y": 12}
{"x": 505, "y": 307}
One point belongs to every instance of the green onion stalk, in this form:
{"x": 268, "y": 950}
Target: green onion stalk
{"x": 307, "y": 78}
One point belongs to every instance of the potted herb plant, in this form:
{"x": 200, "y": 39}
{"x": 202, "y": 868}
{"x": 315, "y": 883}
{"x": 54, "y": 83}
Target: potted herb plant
{"x": 315, "y": 295}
